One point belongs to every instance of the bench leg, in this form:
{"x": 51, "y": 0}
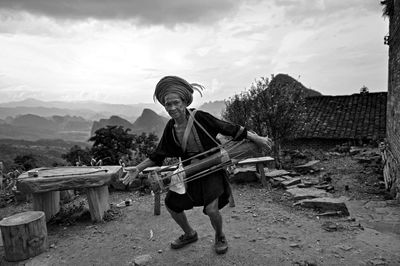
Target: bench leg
{"x": 231, "y": 200}
{"x": 264, "y": 181}
{"x": 98, "y": 202}
{"x": 48, "y": 202}
{"x": 157, "y": 203}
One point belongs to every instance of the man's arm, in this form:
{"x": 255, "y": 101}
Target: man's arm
{"x": 134, "y": 171}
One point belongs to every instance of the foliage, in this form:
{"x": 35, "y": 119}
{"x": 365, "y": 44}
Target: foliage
{"x": 112, "y": 143}
{"x": 269, "y": 108}
{"x": 388, "y": 7}
{"x": 26, "y": 161}
{"x": 77, "y": 155}
{"x": 144, "y": 145}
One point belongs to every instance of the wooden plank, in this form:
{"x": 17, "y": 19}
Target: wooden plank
{"x": 257, "y": 160}
{"x": 64, "y": 178}
{"x": 98, "y": 202}
{"x": 48, "y": 202}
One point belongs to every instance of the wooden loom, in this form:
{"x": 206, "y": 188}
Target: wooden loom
{"x": 219, "y": 158}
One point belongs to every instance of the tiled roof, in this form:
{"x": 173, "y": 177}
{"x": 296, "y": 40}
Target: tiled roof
{"x": 357, "y": 116}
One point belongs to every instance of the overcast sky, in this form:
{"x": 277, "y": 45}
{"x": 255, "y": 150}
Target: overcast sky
{"x": 117, "y": 50}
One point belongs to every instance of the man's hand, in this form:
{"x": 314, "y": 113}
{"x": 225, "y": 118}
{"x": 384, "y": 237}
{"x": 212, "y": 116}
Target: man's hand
{"x": 132, "y": 174}
{"x": 263, "y": 142}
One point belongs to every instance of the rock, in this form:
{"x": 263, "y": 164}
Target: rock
{"x": 276, "y": 173}
{"x": 354, "y": 150}
{"x": 142, "y": 260}
{"x": 291, "y": 182}
{"x": 330, "y": 226}
{"x": 307, "y": 167}
{"x": 307, "y": 193}
{"x": 326, "y": 204}
{"x": 294, "y": 245}
{"x": 377, "y": 262}
{"x": 345, "y": 247}
{"x": 279, "y": 179}
{"x": 305, "y": 263}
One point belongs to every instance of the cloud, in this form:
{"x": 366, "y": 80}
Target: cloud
{"x": 302, "y": 10}
{"x": 153, "y": 12}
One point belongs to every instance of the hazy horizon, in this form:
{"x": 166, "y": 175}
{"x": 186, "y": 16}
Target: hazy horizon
{"x": 115, "y": 52}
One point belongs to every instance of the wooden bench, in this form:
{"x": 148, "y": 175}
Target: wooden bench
{"x": 260, "y": 163}
{"x": 45, "y": 185}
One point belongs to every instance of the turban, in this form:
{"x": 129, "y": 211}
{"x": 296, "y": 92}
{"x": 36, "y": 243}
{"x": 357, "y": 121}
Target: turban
{"x": 173, "y": 84}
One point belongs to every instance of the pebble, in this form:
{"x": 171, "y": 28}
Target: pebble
{"x": 345, "y": 247}
{"x": 237, "y": 236}
{"x": 377, "y": 262}
{"x": 160, "y": 251}
{"x": 142, "y": 260}
{"x": 294, "y": 245}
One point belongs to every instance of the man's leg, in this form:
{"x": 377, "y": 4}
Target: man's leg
{"x": 189, "y": 236}
{"x": 215, "y": 217}
{"x": 181, "y": 220}
{"x": 221, "y": 245}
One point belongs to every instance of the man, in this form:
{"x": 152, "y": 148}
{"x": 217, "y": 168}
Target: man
{"x": 185, "y": 139}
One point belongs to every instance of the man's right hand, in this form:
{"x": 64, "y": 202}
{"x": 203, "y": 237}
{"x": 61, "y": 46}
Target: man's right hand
{"x": 132, "y": 174}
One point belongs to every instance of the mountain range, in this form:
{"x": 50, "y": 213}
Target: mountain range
{"x": 90, "y": 110}
{"x": 33, "y": 119}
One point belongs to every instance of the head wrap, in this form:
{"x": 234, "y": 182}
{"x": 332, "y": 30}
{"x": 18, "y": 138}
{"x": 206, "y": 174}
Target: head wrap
{"x": 174, "y": 84}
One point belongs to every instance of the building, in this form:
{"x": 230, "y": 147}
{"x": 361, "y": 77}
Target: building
{"x": 334, "y": 120}
{"x": 392, "y": 148}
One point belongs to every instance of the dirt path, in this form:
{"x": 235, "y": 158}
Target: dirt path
{"x": 263, "y": 229}
{"x": 260, "y": 231}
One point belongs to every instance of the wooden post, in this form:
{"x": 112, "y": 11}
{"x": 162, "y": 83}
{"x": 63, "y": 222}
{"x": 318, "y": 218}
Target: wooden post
{"x": 264, "y": 181}
{"x": 98, "y": 202}
{"x": 48, "y": 202}
{"x": 24, "y": 235}
{"x": 231, "y": 200}
{"x": 157, "y": 202}
{"x": 1, "y": 174}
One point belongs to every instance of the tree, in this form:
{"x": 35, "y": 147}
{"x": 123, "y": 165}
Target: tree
{"x": 276, "y": 109}
{"x": 77, "y": 155}
{"x": 144, "y": 145}
{"x": 26, "y": 161}
{"x": 112, "y": 143}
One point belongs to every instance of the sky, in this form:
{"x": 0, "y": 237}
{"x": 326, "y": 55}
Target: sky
{"x": 117, "y": 50}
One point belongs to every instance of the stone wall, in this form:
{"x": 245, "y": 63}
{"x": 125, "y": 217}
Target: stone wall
{"x": 393, "y": 104}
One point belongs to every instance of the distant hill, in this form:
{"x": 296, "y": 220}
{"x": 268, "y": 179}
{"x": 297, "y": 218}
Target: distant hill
{"x": 215, "y": 108}
{"x": 147, "y": 122}
{"x": 112, "y": 121}
{"x": 34, "y": 127}
{"x": 283, "y": 80}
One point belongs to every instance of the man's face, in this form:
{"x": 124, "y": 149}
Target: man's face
{"x": 174, "y": 105}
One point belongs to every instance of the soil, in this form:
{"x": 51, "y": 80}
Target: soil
{"x": 263, "y": 229}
